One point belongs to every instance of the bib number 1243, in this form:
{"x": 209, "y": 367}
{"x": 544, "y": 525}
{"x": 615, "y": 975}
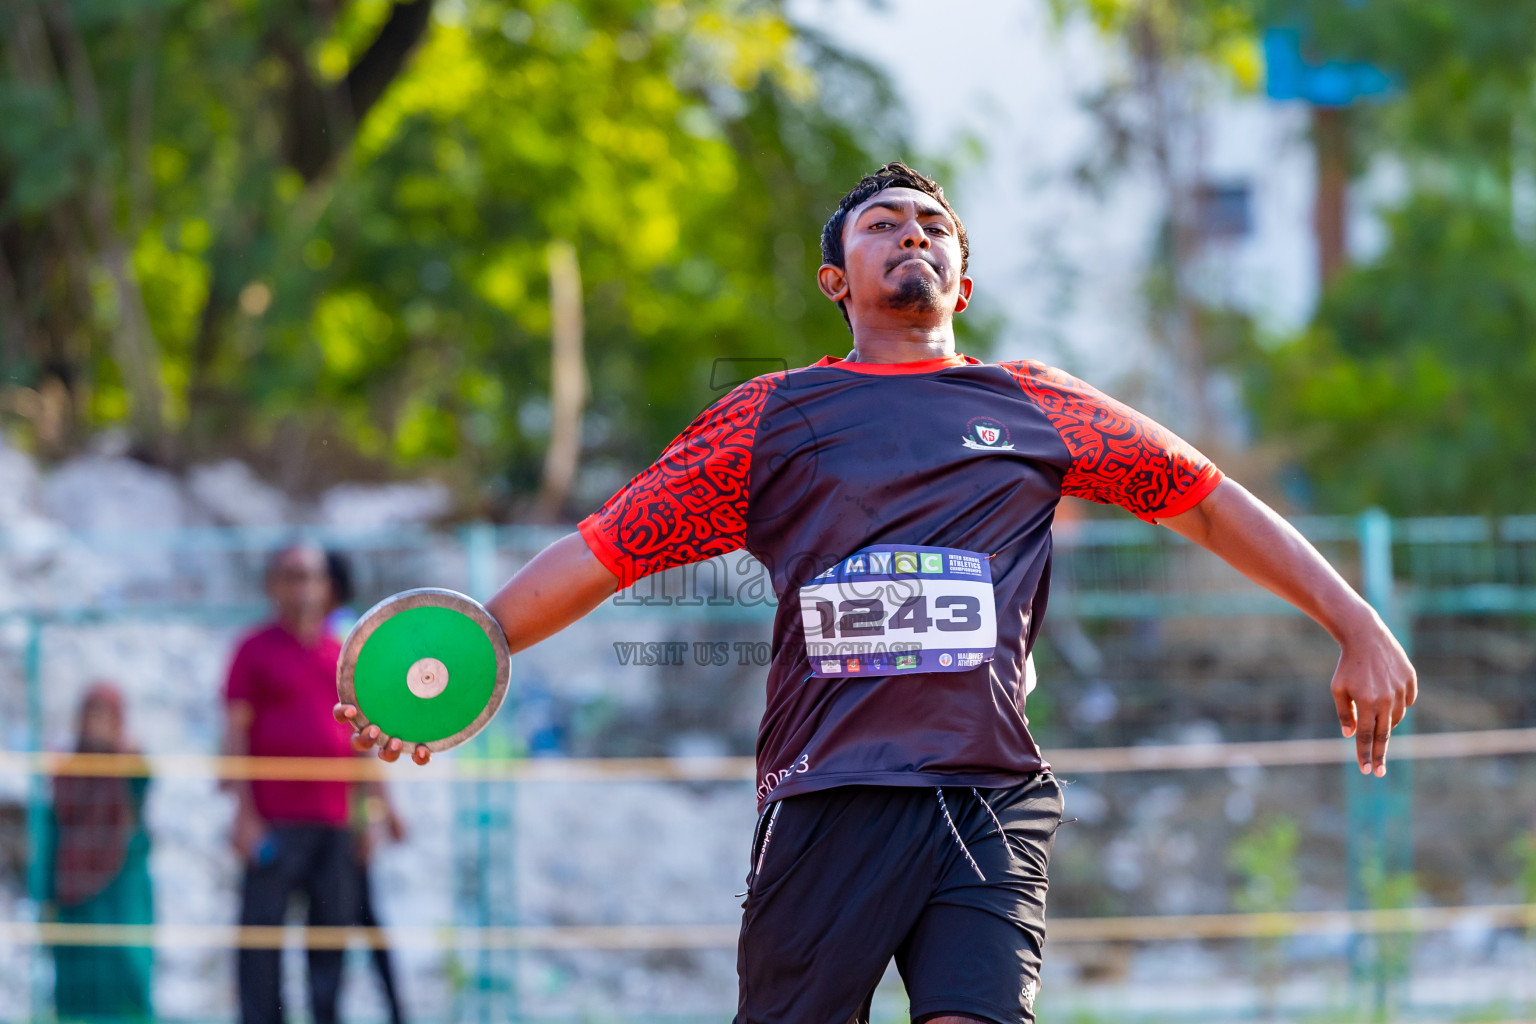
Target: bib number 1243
{"x": 891, "y": 609}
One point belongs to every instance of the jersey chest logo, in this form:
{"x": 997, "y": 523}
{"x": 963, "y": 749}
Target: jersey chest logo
{"x": 986, "y": 434}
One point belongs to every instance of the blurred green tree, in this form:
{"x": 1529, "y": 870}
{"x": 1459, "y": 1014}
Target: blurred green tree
{"x": 1412, "y": 387}
{"x": 1412, "y": 390}
{"x": 1264, "y": 857}
{"x": 148, "y": 148}
{"x": 321, "y": 230}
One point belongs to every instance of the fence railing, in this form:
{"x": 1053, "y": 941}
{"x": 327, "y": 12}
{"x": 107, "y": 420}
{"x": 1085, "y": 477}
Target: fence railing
{"x": 1105, "y": 570}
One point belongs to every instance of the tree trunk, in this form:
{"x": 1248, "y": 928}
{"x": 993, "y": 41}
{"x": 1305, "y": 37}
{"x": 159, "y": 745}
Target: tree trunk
{"x": 319, "y": 122}
{"x": 567, "y": 381}
{"x": 317, "y": 126}
{"x": 137, "y": 354}
{"x": 133, "y": 344}
{"x": 1172, "y": 122}
{"x": 1330, "y": 131}
{"x": 13, "y": 326}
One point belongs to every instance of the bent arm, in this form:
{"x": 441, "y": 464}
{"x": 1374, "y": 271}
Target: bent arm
{"x": 1256, "y": 541}
{"x": 561, "y": 584}
{"x": 691, "y": 504}
{"x": 238, "y": 715}
{"x": 248, "y": 826}
{"x": 1374, "y": 683}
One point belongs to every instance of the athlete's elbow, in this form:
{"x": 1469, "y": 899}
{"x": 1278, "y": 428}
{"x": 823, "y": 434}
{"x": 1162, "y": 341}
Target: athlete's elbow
{"x": 1197, "y": 524}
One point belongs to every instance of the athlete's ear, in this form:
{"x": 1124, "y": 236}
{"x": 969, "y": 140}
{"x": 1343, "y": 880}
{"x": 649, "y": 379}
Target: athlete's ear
{"x": 964, "y": 298}
{"x": 833, "y": 282}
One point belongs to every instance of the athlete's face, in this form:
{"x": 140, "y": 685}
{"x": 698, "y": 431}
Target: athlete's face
{"x": 901, "y": 256}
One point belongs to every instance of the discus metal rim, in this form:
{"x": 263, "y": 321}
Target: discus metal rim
{"x": 427, "y": 597}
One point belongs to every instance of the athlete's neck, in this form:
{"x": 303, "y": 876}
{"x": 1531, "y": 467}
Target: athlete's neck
{"x": 902, "y": 344}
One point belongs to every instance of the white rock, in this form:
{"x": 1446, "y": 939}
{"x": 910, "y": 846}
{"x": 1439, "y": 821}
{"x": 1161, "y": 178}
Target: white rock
{"x": 374, "y": 507}
{"x": 232, "y": 493}
{"x": 100, "y": 493}
{"x": 18, "y": 484}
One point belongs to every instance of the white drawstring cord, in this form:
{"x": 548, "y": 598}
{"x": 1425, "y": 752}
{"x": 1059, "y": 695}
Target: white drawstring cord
{"x": 993, "y": 815}
{"x": 956, "y": 833}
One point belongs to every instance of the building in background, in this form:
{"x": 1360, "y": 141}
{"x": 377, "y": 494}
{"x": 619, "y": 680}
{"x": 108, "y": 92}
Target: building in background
{"x": 1067, "y": 218}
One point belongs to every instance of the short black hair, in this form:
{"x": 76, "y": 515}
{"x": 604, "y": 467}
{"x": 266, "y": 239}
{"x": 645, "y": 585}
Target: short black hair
{"x": 340, "y": 572}
{"x": 277, "y": 554}
{"x": 893, "y": 175}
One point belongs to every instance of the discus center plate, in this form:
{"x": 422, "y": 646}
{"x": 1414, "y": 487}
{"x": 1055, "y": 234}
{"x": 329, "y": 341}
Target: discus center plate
{"x": 426, "y": 666}
{"x": 427, "y": 678}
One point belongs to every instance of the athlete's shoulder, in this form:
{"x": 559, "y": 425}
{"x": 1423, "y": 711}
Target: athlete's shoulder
{"x": 744, "y": 400}
{"x": 757, "y": 389}
{"x": 1032, "y": 372}
{"x": 1059, "y": 392}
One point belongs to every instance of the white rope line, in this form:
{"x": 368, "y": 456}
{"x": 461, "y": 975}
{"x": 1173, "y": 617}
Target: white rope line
{"x": 643, "y": 937}
{"x": 1082, "y": 760}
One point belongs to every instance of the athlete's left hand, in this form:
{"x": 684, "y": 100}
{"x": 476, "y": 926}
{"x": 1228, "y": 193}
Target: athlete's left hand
{"x": 1373, "y": 687}
{"x": 1374, "y": 683}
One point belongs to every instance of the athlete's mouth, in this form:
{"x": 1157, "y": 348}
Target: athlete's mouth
{"x": 912, "y": 259}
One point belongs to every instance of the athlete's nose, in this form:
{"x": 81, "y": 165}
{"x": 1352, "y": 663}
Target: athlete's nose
{"x": 914, "y": 237}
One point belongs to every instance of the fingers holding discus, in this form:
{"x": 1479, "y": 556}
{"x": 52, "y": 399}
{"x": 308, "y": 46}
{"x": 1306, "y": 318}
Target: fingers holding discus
{"x": 424, "y": 671}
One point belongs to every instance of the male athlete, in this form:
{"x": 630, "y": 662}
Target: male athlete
{"x": 902, "y": 500}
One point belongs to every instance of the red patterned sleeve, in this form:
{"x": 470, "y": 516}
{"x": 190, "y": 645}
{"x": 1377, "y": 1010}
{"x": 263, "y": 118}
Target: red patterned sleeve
{"x": 691, "y": 504}
{"x": 1119, "y": 456}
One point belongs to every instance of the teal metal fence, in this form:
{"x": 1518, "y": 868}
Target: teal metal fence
{"x": 1112, "y": 574}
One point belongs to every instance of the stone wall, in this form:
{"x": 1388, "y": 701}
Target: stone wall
{"x": 104, "y": 532}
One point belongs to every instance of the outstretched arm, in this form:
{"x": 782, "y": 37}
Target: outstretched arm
{"x": 561, "y": 584}
{"x": 691, "y": 504}
{"x": 1374, "y": 682}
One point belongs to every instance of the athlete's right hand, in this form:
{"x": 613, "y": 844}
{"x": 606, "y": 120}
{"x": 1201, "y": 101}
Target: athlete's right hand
{"x": 364, "y": 739}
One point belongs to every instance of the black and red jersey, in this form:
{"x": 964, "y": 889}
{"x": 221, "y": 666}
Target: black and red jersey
{"x": 948, "y": 467}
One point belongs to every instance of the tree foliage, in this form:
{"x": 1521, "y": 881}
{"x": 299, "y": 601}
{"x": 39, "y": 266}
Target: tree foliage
{"x": 334, "y": 217}
{"x": 1413, "y": 386}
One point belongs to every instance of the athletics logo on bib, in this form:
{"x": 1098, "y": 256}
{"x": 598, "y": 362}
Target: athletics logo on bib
{"x": 892, "y": 609}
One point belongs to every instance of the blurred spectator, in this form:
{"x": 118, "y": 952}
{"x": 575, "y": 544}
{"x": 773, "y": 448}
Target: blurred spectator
{"x": 96, "y": 857}
{"x": 374, "y": 818}
{"x": 291, "y": 836}
{"x": 374, "y": 822}
{"x": 341, "y": 618}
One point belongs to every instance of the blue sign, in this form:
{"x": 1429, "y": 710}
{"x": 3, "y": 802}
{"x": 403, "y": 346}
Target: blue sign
{"x": 1292, "y": 75}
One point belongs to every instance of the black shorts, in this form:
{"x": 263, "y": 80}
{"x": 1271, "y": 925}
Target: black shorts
{"x": 845, "y": 879}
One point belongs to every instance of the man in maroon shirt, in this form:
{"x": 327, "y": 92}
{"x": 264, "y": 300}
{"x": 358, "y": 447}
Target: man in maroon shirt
{"x": 902, "y": 501}
{"x": 290, "y": 835}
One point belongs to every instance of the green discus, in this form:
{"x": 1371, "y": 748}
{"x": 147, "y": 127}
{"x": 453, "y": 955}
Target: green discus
{"x": 426, "y": 666}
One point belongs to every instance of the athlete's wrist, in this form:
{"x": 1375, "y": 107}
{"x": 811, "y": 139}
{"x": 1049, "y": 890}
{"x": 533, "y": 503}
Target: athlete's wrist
{"x": 1357, "y": 624}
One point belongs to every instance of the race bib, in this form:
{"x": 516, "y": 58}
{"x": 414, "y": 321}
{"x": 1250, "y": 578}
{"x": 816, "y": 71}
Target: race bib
{"x": 896, "y": 608}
